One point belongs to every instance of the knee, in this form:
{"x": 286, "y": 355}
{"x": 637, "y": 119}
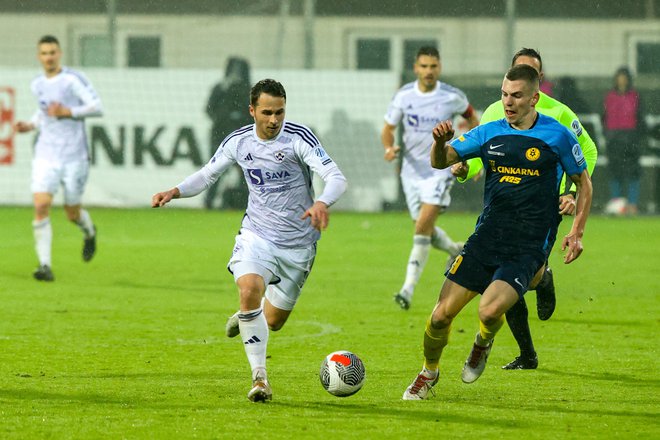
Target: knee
{"x": 489, "y": 315}
{"x": 440, "y": 319}
{"x": 275, "y": 325}
{"x": 41, "y": 210}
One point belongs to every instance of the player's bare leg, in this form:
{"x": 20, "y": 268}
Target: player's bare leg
{"x": 453, "y": 298}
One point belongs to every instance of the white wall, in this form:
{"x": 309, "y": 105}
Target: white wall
{"x": 345, "y": 110}
{"x": 468, "y": 46}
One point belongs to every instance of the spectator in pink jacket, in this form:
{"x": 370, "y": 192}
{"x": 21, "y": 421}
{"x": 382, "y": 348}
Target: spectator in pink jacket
{"x": 623, "y": 129}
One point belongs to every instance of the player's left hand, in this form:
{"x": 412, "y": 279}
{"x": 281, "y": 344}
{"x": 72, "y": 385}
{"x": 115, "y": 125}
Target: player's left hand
{"x": 318, "y": 214}
{"x": 57, "y": 110}
{"x": 572, "y": 242}
{"x": 460, "y": 170}
{"x": 567, "y": 204}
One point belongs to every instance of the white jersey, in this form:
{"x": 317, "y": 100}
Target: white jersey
{"x": 63, "y": 140}
{"x": 420, "y": 113}
{"x": 279, "y": 178}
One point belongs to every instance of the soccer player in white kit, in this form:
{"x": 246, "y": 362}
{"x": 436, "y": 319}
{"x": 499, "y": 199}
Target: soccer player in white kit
{"x": 65, "y": 98}
{"x": 420, "y": 105}
{"x": 276, "y": 245}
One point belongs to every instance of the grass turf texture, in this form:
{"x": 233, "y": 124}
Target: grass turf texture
{"x": 132, "y": 344}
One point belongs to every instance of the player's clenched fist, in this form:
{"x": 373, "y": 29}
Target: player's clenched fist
{"x": 443, "y": 132}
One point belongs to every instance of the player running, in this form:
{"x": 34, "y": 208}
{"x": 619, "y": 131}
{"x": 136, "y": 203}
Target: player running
{"x": 276, "y": 245}
{"x": 526, "y": 153}
{"x": 517, "y": 316}
{"x": 420, "y": 105}
{"x": 65, "y": 97}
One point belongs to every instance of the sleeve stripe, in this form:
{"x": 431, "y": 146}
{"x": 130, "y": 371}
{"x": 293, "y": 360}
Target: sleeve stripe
{"x": 305, "y": 130}
{"x": 235, "y": 133}
{"x": 305, "y": 137}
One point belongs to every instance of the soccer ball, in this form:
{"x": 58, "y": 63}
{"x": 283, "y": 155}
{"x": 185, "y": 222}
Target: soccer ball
{"x": 342, "y": 373}
{"x": 616, "y": 206}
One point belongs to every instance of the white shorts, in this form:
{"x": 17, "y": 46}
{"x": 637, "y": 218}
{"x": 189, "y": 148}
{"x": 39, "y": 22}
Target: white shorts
{"x": 432, "y": 191}
{"x": 47, "y": 177}
{"x": 283, "y": 270}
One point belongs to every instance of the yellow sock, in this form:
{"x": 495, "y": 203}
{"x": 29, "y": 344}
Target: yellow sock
{"x": 487, "y": 332}
{"x": 434, "y": 341}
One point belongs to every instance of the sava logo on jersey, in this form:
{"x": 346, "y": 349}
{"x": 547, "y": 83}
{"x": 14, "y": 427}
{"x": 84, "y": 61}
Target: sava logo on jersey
{"x": 259, "y": 177}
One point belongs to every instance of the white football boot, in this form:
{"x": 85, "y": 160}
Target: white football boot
{"x": 476, "y": 362}
{"x": 421, "y": 386}
{"x": 231, "y": 327}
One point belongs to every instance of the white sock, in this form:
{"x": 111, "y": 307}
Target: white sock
{"x": 85, "y": 224}
{"x": 43, "y": 240}
{"x": 419, "y": 255}
{"x": 254, "y": 332}
{"x": 440, "y": 240}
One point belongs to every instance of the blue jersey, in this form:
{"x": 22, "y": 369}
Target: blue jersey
{"x": 523, "y": 172}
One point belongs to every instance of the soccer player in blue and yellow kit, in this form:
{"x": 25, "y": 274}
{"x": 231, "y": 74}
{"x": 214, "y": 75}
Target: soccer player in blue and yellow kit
{"x": 526, "y": 153}
{"x": 517, "y": 316}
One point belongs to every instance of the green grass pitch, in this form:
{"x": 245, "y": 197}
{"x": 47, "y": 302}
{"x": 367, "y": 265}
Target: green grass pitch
{"x": 132, "y": 344}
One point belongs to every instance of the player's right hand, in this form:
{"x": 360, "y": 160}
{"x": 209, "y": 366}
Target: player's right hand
{"x": 443, "y": 132}
{"x": 392, "y": 153}
{"x": 160, "y": 199}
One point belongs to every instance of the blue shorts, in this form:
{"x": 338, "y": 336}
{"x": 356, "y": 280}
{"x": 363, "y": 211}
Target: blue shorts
{"x": 518, "y": 271}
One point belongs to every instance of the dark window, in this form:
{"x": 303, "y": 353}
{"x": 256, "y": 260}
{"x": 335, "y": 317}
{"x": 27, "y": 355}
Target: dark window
{"x": 144, "y": 52}
{"x": 373, "y": 53}
{"x": 648, "y": 55}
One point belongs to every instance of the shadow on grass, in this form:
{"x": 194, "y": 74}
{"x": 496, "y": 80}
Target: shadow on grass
{"x": 598, "y": 410}
{"x": 196, "y": 287}
{"x": 414, "y": 412}
{"x": 610, "y": 377}
{"x": 605, "y": 322}
{"x": 32, "y": 395}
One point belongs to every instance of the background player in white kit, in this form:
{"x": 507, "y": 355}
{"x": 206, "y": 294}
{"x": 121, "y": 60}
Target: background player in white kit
{"x": 66, "y": 98}
{"x": 421, "y": 105}
{"x": 276, "y": 245}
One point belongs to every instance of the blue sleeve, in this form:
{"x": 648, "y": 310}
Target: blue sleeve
{"x": 468, "y": 145}
{"x": 570, "y": 154}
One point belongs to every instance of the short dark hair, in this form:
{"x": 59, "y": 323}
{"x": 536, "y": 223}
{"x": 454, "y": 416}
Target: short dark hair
{"x": 269, "y": 87}
{"x": 428, "y": 50}
{"x": 524, "y": 72}
{"x": 527, "y": 52}
{"x": 48, "y": 39}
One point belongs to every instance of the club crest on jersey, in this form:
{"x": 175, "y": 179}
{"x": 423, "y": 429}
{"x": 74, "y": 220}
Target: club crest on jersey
{"x": 279, "y": 156}
{"x": 532, "y": 153}
{"x": 320, "y": 152}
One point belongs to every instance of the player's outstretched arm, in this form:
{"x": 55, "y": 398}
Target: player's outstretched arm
{"x": 572, "y": 242}
{"x": 319, "y": 216}
{"x": 160, "y": 199}
{"x": 443, "y": 155}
